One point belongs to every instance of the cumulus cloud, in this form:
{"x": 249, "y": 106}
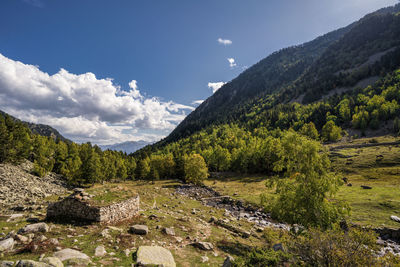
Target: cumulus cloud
{"x": 83, "y": 107}
{"x": 215, "y": 86}
{"x": 197, "y": 102}
{"x": 232, "y": 62}
{"x": 224, "y": 41}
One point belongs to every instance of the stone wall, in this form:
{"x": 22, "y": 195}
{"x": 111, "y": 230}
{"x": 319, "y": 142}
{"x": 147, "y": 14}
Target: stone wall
{"x": 76, "y": 207}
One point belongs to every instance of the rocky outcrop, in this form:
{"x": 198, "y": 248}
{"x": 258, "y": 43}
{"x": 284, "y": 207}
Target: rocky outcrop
{"x": 78, "y": 207}
{"x": 20, "y": 190}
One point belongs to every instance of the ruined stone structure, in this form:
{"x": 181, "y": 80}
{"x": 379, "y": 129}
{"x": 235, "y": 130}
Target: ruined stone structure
{"x": 78, "y": 207}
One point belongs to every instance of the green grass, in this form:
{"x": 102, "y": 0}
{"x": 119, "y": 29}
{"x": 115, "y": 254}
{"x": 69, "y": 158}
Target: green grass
{"x": 368, "y": 207}
{"x": 172, "y": 210}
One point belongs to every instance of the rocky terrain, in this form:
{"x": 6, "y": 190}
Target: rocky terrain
{"x": 20, "y": 190}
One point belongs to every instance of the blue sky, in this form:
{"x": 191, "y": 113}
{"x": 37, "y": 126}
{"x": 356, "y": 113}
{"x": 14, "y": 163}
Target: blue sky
{"x": 168, "y": 47}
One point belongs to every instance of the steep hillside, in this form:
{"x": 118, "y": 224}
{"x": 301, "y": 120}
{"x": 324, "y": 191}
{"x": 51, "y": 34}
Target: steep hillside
{"x": 41, "y": 129}
{"x": 342, "y": 58}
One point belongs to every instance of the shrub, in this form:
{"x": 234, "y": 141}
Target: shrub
{"x": 335, "y": 247}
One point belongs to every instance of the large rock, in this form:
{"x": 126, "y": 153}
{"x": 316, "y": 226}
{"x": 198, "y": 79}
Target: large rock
{"x": 139, "y": 229}
{"x": 53, "y": 261}
{"x": 6, "y": 263}
{"x": 68, "y": 253}
{"x": 6, "y": 244}
{"x": 395, "y": 218}
{"x": 34, "y": 228}
{"x": 155, "y": 255}
{"x": 203, "y": 245}
{"x": 30, "y": 263}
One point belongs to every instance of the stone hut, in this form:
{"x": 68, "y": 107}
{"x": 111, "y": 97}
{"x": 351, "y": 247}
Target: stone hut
{"x": 78, "y": 207}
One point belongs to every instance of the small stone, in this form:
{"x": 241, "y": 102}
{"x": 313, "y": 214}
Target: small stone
{"x": 204, "y": 259}
{"x": 68, "y": 253}
{"x": 21, "y": 238}
{"x": 127, "y": 252}
{"x": 169, "y": 231}
{"x": 228, "y": 261}
{"x": 139, "y": 229}
{"x": 6, "y": 244}
{"x": 203, "y": 245}
{"x": 395, "y": 218}
{"x": 100, "y": 251}
{"x": 53, "y": 261}
{"x": 42, "y": 238}
{"x": 54, "y": 241}
{"x": 33, "y": 228}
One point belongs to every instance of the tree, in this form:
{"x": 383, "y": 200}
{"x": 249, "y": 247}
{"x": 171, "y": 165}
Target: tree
{"x": 331, "y": 132}
{"x": 195, "y": 169}
{"x": 309, "y": 130}
{"x": 143, "y": 168}
{"x": 43, "y": 155}
{"x": 302, "y": 196}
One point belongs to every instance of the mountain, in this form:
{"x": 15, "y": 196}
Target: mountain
{"x": 41, "y": 129}
{"x": 127, "y": 147}
{"x": 333, "y": 62}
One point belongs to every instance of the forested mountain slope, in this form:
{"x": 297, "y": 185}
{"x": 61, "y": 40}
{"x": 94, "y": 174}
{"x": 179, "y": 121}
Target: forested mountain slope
{"x": 40, "y": 129}
{"x": 342, "y": 58}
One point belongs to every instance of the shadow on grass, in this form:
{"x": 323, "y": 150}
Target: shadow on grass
{"x": 232, "y": 177}
{"x": 234, "y": 248}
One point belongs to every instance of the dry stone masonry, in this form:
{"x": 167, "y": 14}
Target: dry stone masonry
{"x": 77, "y": 206}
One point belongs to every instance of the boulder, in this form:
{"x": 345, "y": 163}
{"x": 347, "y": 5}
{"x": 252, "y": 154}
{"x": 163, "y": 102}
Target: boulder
{"x": 53, "y": 261}
{"x": 100, "y": 251}
{"x": 139, "y": 229}
{"x": 203, "y": 245}
{"x": 6, "y": 244}
{"x": 67, "y": 254}
{"x": 228, "y": 261}
{"x": 155, "y": 255}
{"x": 34, "y": 228}
{"x": 6, "y": 263}
{"x": 395, "y": 218}
{"x": 30, "y": 263}
{"x": 169, "y": 231}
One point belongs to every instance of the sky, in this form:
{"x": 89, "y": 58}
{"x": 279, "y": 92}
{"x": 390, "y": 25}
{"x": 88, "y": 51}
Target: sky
{"x": 126, "y": 70}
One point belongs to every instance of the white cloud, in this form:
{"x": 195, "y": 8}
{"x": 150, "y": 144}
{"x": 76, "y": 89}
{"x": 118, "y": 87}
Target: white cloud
{"x": 215, "y": 86}
{"x": 83, "y": 107}
{"x": 224, "y": 41}
{"x": 197, "y": 102}
{"x": 232, "y": 62}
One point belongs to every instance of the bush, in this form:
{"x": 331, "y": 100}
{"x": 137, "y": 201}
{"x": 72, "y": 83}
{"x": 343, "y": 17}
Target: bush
{"x": 261, "y": 258}
{"x": 337, "y": 248}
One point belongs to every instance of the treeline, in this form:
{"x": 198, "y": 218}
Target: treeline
{"x": 80, "y": 164}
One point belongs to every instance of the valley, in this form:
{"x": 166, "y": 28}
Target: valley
{"x": 295, "y": 162}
